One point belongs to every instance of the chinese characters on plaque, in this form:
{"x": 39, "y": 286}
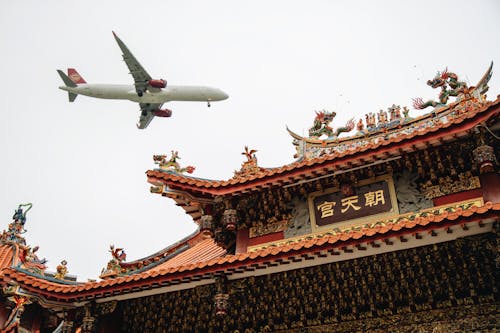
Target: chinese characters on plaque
{"x": 370, "y": 199}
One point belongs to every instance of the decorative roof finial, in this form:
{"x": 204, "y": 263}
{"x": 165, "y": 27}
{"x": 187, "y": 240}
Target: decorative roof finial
{"x": 250, "y": 154}
{"x": 62, "y": 270}
{"x": 114, "y": 267}
{"x": 118, "y": 253}
{"x": 450, "y": 86}
{"x": 16, "y": 227}
{"x": 171, "y": 164}
{"x": 321, "y": 125}
{"x": 249, "y": 167}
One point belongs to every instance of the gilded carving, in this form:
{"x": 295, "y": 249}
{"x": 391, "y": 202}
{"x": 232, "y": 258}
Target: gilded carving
{"x": 268, "y": 228}
{"x": 446, "y": 186}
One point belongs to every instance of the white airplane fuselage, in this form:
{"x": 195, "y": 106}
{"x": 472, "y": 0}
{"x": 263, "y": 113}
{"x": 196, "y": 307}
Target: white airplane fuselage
{"x": 167, "y": 94}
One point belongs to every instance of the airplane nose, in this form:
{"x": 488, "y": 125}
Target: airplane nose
{"x": 223, "y": 95}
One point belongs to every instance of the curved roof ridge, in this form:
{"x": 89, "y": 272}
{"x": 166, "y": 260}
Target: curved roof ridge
{"x": 174, "y": 173}
{"x": 158, "y": 259}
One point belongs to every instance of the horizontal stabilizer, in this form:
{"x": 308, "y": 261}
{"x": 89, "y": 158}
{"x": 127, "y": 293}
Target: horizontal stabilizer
{"x": 71, "y": 96}
{"x": 67, "y": 81}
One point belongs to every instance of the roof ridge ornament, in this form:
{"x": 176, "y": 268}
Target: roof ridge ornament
{"x": 250, "y": 167}
{"x": 27, "y": 256}
{"x": 321, "y": 125}
{"x": 386, "y": 126}
{"x": 16, "y": 227}
{"x": 114, "y": 266}
{"x": 451, "y": 86}
{"x": 171, "y": 165}
{"x": 62, "y": 270}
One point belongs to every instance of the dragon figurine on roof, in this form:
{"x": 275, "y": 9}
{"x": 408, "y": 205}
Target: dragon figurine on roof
{"x": 384, "y": 125}
{"x": 451, "y": 86}
{"x": 321, "y": 125}
{"x": 171, "y": 164}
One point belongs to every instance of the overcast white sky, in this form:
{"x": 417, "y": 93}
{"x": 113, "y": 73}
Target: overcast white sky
{"x": 82, "y": 164}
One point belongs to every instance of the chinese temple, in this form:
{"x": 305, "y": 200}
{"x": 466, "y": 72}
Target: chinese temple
{"x": 386, "y": 224}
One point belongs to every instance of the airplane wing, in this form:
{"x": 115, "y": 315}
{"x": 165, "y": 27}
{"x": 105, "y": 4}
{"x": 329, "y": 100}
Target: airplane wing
{"x": 147, "y": 114}
{"x": 141, "y": 77}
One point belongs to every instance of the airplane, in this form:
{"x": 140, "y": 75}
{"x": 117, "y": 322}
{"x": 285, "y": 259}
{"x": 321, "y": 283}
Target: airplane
{"x": 148, "y": 92}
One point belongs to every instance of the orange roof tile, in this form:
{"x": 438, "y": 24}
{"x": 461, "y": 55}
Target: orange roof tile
{"x": 6, "y": 255}
{"x": 204, "y": 251}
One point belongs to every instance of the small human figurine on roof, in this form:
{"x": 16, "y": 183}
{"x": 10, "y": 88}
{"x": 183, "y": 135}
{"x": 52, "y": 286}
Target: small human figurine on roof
{"x": 171, "y": 164}
{"x": 382, "y": 117}
{"x": 370, "y": 120}
{"x": 30, "y": 261}
{"x": 16, "y": 227}
{"x": 62, "y": 270}
{"x": 114, "y": 266}
{"x": 360, "y": 125}
{"x": 20, "y": 215}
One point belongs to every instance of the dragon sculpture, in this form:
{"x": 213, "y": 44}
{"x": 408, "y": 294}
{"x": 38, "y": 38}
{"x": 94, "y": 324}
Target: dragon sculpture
{"x": 450, "y": 86}
{"x": 171, "y": 164}
{"x": 321, "y": 125}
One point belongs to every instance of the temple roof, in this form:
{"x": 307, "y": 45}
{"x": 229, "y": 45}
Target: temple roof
{"x": 203, "y": 251}
{"x": 356, "y": 147}
{"x": 205, "y": 259}
{"x": 445, "y": 125}
{"x": 193, "y": 248}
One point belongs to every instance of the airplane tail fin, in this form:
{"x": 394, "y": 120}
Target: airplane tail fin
{"x": 75, "y": 76}
{"x": 69, "y": 83}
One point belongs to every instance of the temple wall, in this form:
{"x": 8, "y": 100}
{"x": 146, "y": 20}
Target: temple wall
{"x": 414, "y": 290}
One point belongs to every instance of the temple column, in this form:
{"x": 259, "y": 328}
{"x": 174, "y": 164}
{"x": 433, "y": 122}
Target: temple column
{"x": 485, "y": 159}
{"x": 88, "y": 321}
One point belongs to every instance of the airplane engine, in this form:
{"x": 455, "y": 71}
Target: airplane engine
{"x": 163, "y": 113}
{"x": 157, "y": 83}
